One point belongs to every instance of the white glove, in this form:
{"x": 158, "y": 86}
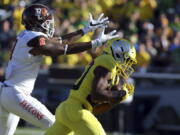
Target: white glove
{"x": 102, "y": 38}
{"x": 94, "y": 24}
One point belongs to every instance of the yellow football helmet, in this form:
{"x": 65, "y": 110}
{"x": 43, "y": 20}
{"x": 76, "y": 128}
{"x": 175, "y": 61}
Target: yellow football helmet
{"x": 124, "y": 53}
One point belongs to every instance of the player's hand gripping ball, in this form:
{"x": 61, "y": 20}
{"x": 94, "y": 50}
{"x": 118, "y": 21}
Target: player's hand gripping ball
{"x": 129, "y": 88}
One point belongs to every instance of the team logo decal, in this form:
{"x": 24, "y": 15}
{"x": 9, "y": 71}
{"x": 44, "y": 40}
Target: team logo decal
{"x": 42, "y": 41}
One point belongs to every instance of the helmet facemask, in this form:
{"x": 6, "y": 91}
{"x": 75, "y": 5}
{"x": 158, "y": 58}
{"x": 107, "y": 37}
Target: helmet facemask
{"x": 126, "y": 69}
{"x": 48, "y": 25}
{"x": 124, "y": 54}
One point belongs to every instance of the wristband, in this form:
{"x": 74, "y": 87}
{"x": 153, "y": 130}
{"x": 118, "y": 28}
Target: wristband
{"x": 95, "y": 43}
{"x": 86, "y": 30}
{"x": 65, "y": 49}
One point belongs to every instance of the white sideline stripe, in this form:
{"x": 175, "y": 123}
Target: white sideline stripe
{"x": 157, "y": 75}
{"x": 136, "y": 75}
{"x": 64, "y": 81}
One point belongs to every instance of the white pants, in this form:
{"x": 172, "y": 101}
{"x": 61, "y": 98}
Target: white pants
{"x": 15, "y": 104}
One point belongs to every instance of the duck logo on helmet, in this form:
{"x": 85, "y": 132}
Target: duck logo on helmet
{"x": 124, "y": 53}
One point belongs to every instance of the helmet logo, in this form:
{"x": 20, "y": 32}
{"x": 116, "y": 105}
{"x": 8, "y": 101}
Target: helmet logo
{"x": 42, "y": 41}
{"x": 44, "y": 12}
{"x": 38, "y": 13}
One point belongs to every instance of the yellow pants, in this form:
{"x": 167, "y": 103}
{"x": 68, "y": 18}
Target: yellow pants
{"x": 72, "y": 118}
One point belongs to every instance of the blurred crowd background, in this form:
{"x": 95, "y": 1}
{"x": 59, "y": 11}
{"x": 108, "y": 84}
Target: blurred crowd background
{"x": 153, "y": 26}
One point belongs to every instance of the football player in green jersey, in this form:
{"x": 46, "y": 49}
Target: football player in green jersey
{"x": 96, "y": 91}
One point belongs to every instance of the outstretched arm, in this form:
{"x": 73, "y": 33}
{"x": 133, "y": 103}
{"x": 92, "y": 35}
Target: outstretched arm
{"x": 91, "y": 26}
{"x": 41, "y": 46}
{"x": 71, "y": 37}
{"x": 68, "y": 38}
{"x": 61, "y": 49}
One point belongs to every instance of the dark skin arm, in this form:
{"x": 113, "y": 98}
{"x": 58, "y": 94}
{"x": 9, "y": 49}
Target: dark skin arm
{"x": 42, "y": 46}
{"x": 71, "y": 37}
{"x": 55, "y": 50}
{"x": 102, "y": 95}
{"x": 101, "y": 88}
{"x": 105, "y": 107}
{"x": 68, "y": 38}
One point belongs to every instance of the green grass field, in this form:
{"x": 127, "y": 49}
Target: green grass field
{"x": 34, "y": 131}
{"x": 31, "y": 131}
